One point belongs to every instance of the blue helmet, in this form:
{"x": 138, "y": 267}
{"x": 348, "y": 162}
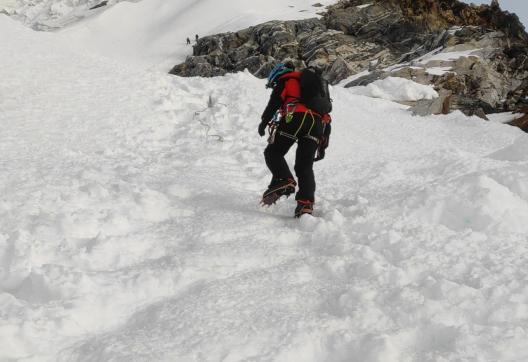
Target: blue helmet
{"x": 277, "y": 71}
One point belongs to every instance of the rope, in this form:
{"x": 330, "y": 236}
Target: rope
{"x": 207, "y": 126}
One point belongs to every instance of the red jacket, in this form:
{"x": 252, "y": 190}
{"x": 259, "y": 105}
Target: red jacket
{"x": 291, "y": 93}
{"x": 287, "y": 90}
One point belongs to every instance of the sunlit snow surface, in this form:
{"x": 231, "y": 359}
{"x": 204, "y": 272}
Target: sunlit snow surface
{"x": 130, "y": 227}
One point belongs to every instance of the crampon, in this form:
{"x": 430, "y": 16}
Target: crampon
{"x": 283, "y": 187}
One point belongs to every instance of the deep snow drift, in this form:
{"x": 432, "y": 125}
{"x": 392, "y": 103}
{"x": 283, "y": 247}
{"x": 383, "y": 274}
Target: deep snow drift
{"x": 130, "y": 227}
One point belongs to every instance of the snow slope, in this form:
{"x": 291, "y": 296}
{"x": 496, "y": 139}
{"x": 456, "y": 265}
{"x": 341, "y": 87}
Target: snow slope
{"x": 51, "y": 15}
{"x": 130, "y": 227}
{"x": 152, "y": 33}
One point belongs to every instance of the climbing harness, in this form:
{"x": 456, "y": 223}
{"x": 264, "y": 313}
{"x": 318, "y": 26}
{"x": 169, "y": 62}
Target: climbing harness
{"x": 294, "y": 136}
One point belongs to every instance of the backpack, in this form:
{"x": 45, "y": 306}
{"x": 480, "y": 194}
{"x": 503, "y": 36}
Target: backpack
{"x": 315, "y": 94}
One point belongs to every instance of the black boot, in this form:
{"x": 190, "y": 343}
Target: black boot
{"x": 278, "y": 188}
{"x": 303, "y": 207}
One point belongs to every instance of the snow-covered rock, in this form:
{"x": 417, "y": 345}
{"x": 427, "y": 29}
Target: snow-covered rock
{"x": 396, "y": 89}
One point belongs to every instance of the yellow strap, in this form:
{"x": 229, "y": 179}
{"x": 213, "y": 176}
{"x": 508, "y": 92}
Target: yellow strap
{"x": 313, "y": 123}
{"x": 302, "y": 123}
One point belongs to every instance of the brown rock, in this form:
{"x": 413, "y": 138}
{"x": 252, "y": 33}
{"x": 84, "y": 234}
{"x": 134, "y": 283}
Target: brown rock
{"x": 522, "y": 122}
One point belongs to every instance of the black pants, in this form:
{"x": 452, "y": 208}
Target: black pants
{"x": 304, "y": 128}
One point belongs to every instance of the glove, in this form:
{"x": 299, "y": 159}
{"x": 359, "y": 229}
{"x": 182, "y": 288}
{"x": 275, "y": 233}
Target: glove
{"x": 320, "y": 155}
{"x": 262, "y": 128}
{"x": 321, "y": 148}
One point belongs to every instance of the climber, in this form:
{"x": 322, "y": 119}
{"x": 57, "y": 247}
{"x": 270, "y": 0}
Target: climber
{"x": 292, "y": 92}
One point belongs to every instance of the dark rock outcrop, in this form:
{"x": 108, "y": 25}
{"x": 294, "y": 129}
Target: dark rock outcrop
{"x": 412, "y": 39}
{"x": 522, "y": 122}
{"x": 256, "y": 48}
{"x": 260, "y": 47}
{"x": 410, "y": 17}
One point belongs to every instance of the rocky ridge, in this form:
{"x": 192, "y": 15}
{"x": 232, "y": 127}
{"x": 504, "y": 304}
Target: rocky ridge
{"x": 475, "y": 56}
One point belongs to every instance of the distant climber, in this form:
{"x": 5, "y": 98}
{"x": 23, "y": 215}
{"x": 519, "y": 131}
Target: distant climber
{"x": 188, "y": 41}
{"x": 297, "y": 111}
{"x": 196, "y": 37}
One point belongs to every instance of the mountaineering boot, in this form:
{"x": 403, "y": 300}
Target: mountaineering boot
{"x": 303, "y": 207}
{"x": 278, "y": 188}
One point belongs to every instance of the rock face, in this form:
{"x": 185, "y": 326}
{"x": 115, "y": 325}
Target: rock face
{"x": 476, "y": 56}
{"x": 260, "y": 47}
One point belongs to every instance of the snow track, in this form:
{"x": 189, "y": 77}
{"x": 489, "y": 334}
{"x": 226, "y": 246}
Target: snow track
{"x": 130, "y": 226}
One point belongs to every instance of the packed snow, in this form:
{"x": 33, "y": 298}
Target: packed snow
{"x": 130, "y": 227}
{"x": 396, "y": 89}
{"x": 439, "y": 70}
{"x": 447, "y": 55}
{"x": 504, "y": 117}
{"x": 364, "y": 6}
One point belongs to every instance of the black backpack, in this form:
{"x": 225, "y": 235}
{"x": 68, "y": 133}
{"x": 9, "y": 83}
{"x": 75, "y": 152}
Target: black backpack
{"x": 314, "y": 91}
